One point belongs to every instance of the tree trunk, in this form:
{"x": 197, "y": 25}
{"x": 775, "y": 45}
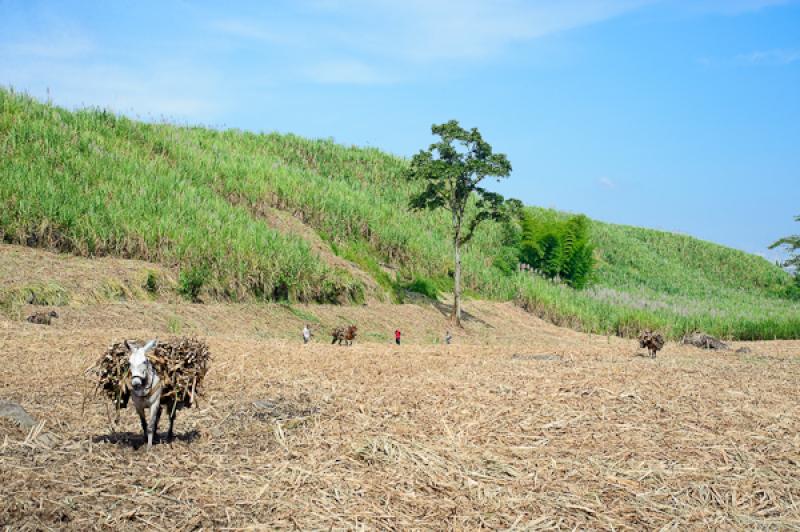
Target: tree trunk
{"x": 456, "y": 314}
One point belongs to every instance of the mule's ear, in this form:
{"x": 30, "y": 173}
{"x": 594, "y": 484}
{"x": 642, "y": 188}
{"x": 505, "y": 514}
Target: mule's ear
{"x": 150, "y": 345}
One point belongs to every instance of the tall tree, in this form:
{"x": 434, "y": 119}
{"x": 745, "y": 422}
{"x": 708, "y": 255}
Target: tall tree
{"x": 452, "y": 170}
{"x": 792, "y": 244}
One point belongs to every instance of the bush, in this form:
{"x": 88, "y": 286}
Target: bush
{"x": 424, "y": 286}
{"x": 793, "y": 290}
{"x": 151, "y": 283}
{"x": 506, "y": 257}
{"x": 191, "y": 281}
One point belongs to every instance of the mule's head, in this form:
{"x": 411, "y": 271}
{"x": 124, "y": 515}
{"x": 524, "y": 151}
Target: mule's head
{"x": 53, "y": 314}
{"x": 140, "y": 366}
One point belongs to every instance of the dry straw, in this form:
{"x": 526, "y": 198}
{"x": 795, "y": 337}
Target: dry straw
{"x": 575, "y": 432}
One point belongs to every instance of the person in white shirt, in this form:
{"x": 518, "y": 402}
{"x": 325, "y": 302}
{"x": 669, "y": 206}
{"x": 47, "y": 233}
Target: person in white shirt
{"x": 306, "y": 334}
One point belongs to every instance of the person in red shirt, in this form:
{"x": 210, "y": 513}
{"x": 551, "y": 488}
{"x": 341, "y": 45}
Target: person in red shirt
{"x": 397, "y": 336}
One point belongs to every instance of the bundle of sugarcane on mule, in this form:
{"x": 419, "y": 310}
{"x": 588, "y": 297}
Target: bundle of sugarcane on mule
{"x": 344, "y": 334}
{"x": 166, "y": 373}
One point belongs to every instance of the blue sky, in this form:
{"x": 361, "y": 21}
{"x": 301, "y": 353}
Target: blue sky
{"x": 681, "y": 115}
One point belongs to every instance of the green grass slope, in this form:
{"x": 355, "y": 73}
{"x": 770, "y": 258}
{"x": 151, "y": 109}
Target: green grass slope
{"x": 94, "y": 184}
{"x": 672, "y": 282}
{"x": 194, "y": 199}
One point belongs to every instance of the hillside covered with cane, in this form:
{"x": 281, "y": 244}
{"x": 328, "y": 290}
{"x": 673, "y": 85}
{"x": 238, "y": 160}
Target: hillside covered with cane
{"x": 234, "y": 216}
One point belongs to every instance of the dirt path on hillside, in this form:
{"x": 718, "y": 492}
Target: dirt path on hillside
{"x": 286, "y": 223}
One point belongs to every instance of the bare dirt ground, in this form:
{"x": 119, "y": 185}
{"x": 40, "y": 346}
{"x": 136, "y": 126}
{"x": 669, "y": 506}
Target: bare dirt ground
{"x": 519, "y": 424}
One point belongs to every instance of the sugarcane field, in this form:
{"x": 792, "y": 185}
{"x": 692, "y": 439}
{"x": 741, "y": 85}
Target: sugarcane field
{"x": 346, "y": 265}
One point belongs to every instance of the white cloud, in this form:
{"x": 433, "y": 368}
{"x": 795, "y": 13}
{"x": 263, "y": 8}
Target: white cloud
{"x": 606, "y": 183}
{"x": 42, "y": 36}
{"x": 383, "y": 38}
{"x": 161, "y": 91}
{"x": 346, "y": 71}
{"x": 244, "y": 30}
{"x": 733, "y": 7}
{"x": 59, "y": 60}
{"x": 362, "y": 42}
{"x": 49, "y": 48}
{"x": 770, "y": 57}
{"x": 776, "y": 57}
{"x": 432, "y": 30}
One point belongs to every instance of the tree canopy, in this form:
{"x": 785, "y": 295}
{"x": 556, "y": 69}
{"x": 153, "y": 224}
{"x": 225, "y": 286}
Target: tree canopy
{"x": 452, "y": 170}
{"x": 792, "y": 244}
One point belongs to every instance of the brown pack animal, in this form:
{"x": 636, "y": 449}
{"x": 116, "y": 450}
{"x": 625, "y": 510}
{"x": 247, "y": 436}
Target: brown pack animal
{"x": 652, "y": 341}
{"x": 43, "y": 317}
{"x": 342, "y": 334}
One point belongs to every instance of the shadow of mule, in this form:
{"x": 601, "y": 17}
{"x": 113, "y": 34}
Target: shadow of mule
{"x": 136, "y": 439}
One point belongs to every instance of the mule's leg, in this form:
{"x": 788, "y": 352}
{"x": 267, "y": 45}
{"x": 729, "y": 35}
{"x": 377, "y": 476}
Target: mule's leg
{"x": 140, "y": 411}
{"x": 158, "y": 418}
{"x": 155, "y": 410}
{"x": 334, "y": 340}
{"x": 173, "y": 411}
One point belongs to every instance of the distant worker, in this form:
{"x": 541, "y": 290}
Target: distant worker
{"x": 448, "y": 338}
{"x": 397, "y": 336}
{"x": 306, "y": 334}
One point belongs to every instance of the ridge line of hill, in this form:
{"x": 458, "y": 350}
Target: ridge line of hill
{"x": 92, "y": 183}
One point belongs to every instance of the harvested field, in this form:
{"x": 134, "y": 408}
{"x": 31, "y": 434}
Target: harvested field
{"x": 541, "y": 430}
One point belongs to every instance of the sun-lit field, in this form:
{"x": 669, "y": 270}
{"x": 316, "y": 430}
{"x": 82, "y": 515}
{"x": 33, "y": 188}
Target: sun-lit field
{"x": 518, "y": 424}
{"x": 519, "y": 265}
